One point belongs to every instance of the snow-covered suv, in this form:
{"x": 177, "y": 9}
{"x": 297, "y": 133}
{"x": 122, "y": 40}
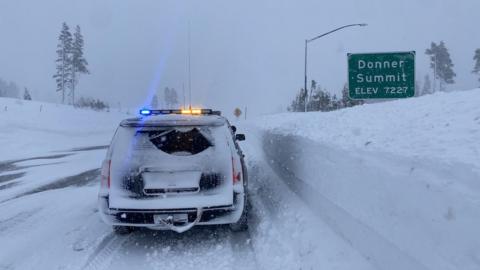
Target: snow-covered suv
{"x": 173, "y": 169}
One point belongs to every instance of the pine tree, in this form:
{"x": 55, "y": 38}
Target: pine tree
{"x": 63, "y": 61}
{"x": 154, "y": 102}
{"x": 324, "y": 101}
{"x": 336, "y": 104}
{"x": 298, "y": 104}
{"x": 347, "y": 101}
{"x": 313, "y": 88}
{"x": 3, "y": 86}
{"x": 170, "y": 97}
{"x": 166, "y": 97}
{"x": 476, "y": 57}
{"x": 300, "y": 100}
{"x": 441, "y": 63}
{"x": 26, "y": 95}
{"x": 314, "y": 100}
{"x": 9, "y": 89}
{"x": 173, "y": 98}
{"x": 427, "y": 85}
{"x": 78, "y": 61}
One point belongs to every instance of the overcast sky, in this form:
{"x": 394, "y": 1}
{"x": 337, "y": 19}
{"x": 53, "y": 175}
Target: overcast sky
{"x": 244, "y": 53}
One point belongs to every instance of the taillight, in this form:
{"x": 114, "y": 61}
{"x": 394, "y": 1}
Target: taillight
{"x": 235, "y": 175}
{"x": 105, "y": 174}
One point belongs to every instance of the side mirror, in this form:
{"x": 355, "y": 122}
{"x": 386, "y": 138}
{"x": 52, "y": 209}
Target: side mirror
{"x": 240, "y": 137}
{"x": 234, "y": 129}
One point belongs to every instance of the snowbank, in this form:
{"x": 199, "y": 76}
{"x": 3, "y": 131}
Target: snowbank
{"x": 441, "y": 126}
{"x": 38, "y": 143}
{"x": 398, "y": 180}
{"x": 29, "y": 128}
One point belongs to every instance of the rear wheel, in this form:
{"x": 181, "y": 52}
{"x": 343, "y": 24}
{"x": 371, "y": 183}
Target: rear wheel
{"x": 242, "y": 223}
{"x": 122, "y": 230}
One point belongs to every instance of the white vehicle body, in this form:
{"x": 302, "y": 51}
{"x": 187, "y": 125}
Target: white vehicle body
{"x": 173, "y": 171}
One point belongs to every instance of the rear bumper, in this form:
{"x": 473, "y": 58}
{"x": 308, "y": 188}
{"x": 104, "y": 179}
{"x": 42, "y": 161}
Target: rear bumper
{"x": 222, "y": 214}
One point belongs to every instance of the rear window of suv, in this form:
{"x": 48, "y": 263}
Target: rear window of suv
{"x": 182, "y": 141}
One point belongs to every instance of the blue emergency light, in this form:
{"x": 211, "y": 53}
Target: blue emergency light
{"x": 145, "y": 112}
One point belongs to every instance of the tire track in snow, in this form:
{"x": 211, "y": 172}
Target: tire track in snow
{"x": 10, "y": 223}
{"x": 264, "y": 195}
{"x": 12, "y": 176}
{"x": 276, "y": 236}
{"x": 78, "y": 180}
{"x": 241, "y": 245}
{"x": 9, "y": 165}
{"x": 243, "y": 252}
{"x": 102, "y": 256}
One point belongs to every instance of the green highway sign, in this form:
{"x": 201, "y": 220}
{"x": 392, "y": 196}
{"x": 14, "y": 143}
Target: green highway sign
{"x": 381, "y": 75}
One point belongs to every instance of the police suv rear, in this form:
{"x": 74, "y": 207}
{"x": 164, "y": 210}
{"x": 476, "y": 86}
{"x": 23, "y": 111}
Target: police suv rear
{"x": 172, "y": 170}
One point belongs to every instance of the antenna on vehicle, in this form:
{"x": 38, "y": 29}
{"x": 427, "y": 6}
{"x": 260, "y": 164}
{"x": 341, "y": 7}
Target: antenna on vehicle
{"x": 183, "y": 91}
{"x": 189, "y": 69}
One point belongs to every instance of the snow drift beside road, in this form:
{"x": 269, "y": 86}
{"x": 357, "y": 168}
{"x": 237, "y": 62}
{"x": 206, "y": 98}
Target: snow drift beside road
{"x": 442, "y": 126}
{"x": 39, "y": 142}
{"x": 30, "y": 128}
{"x": 399, "y": 180}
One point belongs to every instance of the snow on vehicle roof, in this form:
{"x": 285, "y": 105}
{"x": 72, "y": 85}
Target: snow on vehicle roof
{"x": 174, "y": 120}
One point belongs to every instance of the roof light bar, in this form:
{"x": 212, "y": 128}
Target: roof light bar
{"x": 146, "y": 112}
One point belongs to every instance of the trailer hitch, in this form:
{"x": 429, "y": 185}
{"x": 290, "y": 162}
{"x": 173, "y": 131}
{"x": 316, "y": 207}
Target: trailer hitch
{"x": 169, "y": 222}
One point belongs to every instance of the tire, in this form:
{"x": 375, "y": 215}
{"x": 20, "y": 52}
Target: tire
{"x": 122, "y": 230}
{"x": 242, "y": 224}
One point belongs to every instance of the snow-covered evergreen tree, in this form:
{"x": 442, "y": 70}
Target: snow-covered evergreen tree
{"x": 78, "y": 62}
{"x": 476, "y": 68}
{"x": 324, "y": 101}
{"x": 166, "y": 97}
{"x": 310, "y": 100}
{"x": 441, "y": 63}
{"x": 346, "y": 100}
{"x": 154, "y": 102}
{"x": 2, "y": 87}
{"x": 298, "y": 104}
{"x": 335, "y": 103}
{"x": 9, "y": 89}
{"x": 321, "y": 100}
{"x": 26, "y": 95}
{"x": 63, "y": 73}
{"x": 171, "y": 98}
{"x": 314, "y": 100}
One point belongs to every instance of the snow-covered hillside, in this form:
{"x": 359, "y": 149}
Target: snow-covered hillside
{"x": 33, "y": 128}
{"x": 43, "y": 143}
{"x": 441, "y": 126}
{"x": 398, "y": 180}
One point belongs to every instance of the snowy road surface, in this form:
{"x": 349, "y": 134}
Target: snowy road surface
{"x": 55, "y": 226}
